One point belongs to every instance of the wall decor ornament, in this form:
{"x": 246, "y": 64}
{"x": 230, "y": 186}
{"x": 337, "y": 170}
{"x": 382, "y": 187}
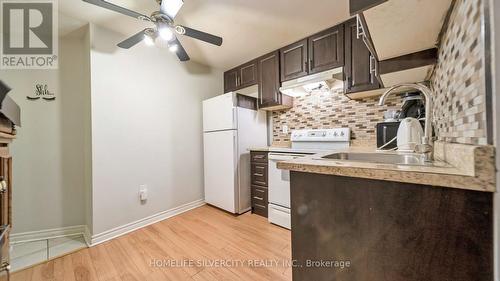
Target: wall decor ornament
{"x": 42, "y": 92}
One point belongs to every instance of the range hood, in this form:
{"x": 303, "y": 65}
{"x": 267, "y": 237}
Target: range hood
{"x": 304, "y": 85}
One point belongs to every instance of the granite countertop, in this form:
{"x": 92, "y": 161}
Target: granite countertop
{"x": 456, "y": 166}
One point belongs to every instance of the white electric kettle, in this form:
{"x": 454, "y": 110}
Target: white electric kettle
{"x": 410, "y": 134}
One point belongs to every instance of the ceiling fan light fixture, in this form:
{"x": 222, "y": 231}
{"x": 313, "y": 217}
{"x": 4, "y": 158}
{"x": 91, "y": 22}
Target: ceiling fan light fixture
{"x": 173, "y": 48}
{"x": 166, "y": 33}
{"x": 148, "y": 40}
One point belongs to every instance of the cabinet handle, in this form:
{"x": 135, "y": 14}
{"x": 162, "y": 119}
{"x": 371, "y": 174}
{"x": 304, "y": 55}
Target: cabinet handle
{"x": 359, "y": 28}
{"x": 258, "y": 174}
{"x": 306, "y": 66}
{"x": 3, "y": 186}
{"x": 349, "y": 82}
{"x": 260, "y": 206}
{"x": 258, "y": 198}
{"x": 259, "y": 156}
{"x": 373, "y": 67}
{"x": 5, "y": 266}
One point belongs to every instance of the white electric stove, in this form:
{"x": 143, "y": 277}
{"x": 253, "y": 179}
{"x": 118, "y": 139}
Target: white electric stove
{"x": 304, "y": 142}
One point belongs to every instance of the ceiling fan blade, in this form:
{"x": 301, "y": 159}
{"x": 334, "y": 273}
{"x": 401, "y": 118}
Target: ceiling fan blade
{"x": 181, "y": 53}
{"x": 118, "y": 9}
{"x": 132, "y": 41}
{"x": 171, "y": 7}
{"x": 200, "y": 35}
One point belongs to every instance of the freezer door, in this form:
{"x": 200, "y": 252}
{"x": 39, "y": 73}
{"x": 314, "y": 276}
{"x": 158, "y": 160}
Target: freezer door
{"x": 219, "y": 113}
{"x": 221, "y": 169}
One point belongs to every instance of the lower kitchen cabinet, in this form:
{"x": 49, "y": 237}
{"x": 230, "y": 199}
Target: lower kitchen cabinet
{"x": 270, "y": 98}
{"x": 360, "y": 64}
{"x": 259, "y": 200}
{"x": 379, "y": 230}
{"x": 259, "y": 180}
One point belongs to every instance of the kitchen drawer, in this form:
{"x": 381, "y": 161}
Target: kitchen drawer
{"x": 259, "y": 200}
{"x": 258, "y": 156}
{"x": 259, "y": 174}
{"x": 259, "y": 195}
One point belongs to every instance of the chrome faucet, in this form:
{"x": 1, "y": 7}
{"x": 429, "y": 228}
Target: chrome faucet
{"x": 426, "y": 148}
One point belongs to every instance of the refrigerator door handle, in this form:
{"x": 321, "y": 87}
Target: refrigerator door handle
{"x": 235, "y": 125}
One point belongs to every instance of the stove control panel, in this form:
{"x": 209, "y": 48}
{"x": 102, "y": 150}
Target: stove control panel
{"x": 320, "y": 135}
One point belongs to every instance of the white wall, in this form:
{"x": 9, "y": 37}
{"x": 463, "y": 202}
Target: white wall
{"x": 48, "y": 154}
{"x": 146, "y": 129}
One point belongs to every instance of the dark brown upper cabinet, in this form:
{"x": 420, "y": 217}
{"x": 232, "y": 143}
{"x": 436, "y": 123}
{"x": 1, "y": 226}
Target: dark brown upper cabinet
{"x": 326, "y": 49}
{"x": 269, "y": 83}
{"x": 231, "y": 80}
{"x": 317, "y": 53}
{"x": 358, "y": 6}
{"x": 360, "y": 65}
{"x": 248, "y": 74}
{"x": 241, "y": 77}
{"x": 294, "y": 61}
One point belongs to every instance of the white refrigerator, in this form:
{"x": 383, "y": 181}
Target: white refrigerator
{"x": 228, "y": 132}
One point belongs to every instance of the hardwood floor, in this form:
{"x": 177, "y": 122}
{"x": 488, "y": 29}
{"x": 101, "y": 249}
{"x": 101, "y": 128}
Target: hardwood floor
{"x": 214, "y": 245}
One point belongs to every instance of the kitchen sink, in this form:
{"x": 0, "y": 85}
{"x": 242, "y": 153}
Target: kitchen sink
{"x": 379, "y": 158}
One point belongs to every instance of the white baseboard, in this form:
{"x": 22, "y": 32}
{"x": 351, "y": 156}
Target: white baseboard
{"x": 124, "y": 229}
{"x": 47, "y": 234}
{"x": 87, "y": 235}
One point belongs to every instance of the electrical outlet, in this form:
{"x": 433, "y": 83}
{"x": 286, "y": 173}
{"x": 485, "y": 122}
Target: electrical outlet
{"x": 143, "y": 192}
{"x": 284, "y": 129}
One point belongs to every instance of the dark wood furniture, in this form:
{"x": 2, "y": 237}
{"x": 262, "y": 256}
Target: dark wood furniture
{"x": 230, "y": 80}
{"x": 360, "y": 64}
{"x": 241, "y": 77}
{"x": 389, "y": 230}
{"x": 326, "y": 49}
{"x": 259, "y": 181}
{"x": 269, "y": 83}
{"x": 414, "y": 60}
{"x": 317, "y": 53}
{"x": 10, "y": 116}
{"x": 294, "y": 60}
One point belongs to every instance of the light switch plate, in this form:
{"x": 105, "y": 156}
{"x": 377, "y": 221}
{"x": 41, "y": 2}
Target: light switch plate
{"x": 143, "y": 192}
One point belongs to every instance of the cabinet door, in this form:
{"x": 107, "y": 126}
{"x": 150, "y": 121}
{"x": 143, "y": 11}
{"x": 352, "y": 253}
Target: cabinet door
{"x": 231, "y": 79}
{"x": 248, "y": 74}
{"x": 294, "y": 61}
{"x": 326, "y": 49}
{"x": 5, "y": 191}
{"x": 359, "y": 62}
{"x": 269, "y": 83}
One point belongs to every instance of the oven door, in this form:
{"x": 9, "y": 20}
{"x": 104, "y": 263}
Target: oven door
{"x": 279, "y": 180}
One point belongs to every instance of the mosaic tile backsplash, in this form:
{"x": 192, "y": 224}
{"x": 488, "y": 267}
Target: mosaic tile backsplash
{"x": 458, "y": 81}
{"x": 325, "y": 109}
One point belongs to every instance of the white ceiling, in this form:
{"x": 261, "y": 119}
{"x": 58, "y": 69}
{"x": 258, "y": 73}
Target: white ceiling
{"x": 250, "y": 28}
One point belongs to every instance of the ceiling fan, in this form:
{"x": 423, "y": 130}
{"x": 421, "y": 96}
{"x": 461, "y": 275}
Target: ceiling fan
{"x": 164, "y": 27}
